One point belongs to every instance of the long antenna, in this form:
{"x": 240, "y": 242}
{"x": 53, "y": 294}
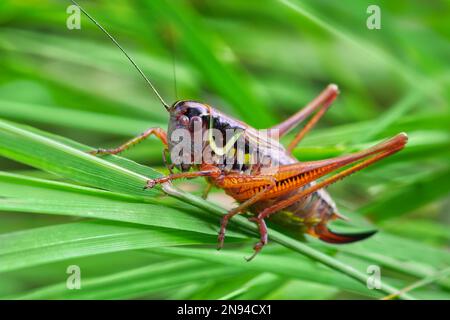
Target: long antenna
{"x": 125, "y": 53}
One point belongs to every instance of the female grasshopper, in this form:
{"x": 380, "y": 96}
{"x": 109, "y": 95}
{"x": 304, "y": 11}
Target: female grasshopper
{"x": 288, "y": 193}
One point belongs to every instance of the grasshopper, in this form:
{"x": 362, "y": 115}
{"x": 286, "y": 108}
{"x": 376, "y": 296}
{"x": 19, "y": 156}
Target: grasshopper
{"x": 292, "y": 193}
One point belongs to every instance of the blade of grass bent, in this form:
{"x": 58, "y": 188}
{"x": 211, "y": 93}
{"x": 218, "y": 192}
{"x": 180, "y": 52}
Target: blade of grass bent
{"x": 53, "y": 156}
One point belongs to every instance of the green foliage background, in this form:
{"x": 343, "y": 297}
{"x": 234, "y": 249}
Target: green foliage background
{"x": 64, "y": 90}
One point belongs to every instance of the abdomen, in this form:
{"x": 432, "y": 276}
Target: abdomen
{"x": 306, "y": 212}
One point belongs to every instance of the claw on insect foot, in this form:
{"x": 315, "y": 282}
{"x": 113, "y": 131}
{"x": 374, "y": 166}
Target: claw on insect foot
{"x": 263, "y": 237}
{"x": 150, "y": 184}
{"x": 93, "y": 152}
{"x": 220, "y": 241}
{"x": 257, "y": 248}
{"x": 221, "y": 236}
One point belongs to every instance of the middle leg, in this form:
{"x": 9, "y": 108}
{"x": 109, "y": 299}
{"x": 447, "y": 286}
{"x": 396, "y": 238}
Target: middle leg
{"x": 205, "y": 171}
{"x": 270, "y": 184}
{"x": 158, "y": 132}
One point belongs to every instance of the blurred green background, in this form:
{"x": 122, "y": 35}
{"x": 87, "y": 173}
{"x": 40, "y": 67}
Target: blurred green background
{"x": 259, "y": 61}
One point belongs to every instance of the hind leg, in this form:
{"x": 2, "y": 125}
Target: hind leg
{"x": 320, "y": 104}
{"x": 263, "y": 237}
{"x": 371, "y": 156}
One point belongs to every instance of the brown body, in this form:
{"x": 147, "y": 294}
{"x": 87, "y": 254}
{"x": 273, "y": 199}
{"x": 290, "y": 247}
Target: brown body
{"x": 304, "y": 213}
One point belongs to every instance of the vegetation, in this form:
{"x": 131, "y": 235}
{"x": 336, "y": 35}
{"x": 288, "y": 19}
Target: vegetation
{"x": 63, "y": 92}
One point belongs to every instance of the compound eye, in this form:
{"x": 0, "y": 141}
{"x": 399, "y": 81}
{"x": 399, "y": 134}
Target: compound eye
{"x": 184, "y": 120}
{"x": 195, "y": 120}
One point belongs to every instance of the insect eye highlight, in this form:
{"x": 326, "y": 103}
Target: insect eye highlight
{"x": 184, "y": 120}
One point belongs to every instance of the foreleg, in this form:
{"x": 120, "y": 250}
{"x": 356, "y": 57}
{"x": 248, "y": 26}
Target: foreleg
{"x": 158, "y": 132}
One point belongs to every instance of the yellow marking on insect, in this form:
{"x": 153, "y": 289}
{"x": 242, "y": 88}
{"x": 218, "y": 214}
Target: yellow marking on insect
{"x": 221, "y": 151}
{"x": 231, "y": 153}
{"x": 291, "y": 216}
{"x": 311, "y": 221}
{"x": 247, "y": 158}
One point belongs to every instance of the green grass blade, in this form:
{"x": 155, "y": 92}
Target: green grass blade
{"x": 77, "y": 119}
{"x": 23, "y": 249}
{"x": 298, "y": 268}
{"x": 231, "y": 83}
{"x": 415, "y": 195}
{"x": 23, "y": 194}
{"x": 47, "y": 154}
{"x": 134, "y": 283}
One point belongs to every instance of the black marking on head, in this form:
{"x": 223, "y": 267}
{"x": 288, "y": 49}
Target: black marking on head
{"x": 188, "y": 108}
